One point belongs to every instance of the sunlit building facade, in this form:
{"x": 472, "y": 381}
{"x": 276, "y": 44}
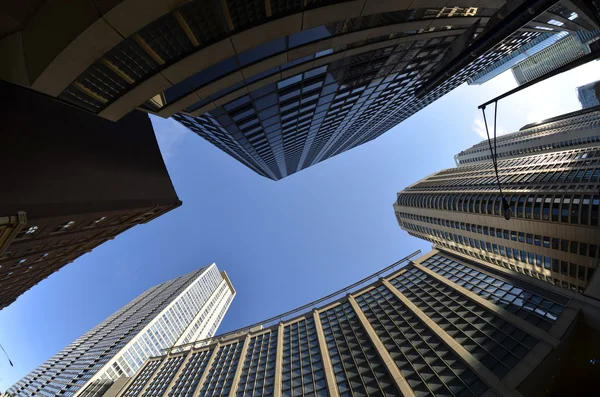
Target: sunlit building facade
{"x": 550, "y": 176}
{"x": 179, "y": 311}
{"x": 566, "y": 50}
{"x": 442, "y": 325}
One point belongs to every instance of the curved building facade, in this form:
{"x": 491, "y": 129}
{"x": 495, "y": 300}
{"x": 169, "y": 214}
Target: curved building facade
{"x": 442, "y": 325}
{"x": 278, "y": 85}
{"x": 550, "y": 177}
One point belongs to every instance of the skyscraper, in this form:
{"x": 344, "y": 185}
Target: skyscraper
{"x": 72, "y": 182}
{"x": 182, "y": 310}
{"x": 550, "y": 176}
{"x": 277, "y": 85}
{"x": 442, "y": 325}
{"x": 589, "y": 94}
{"x": 544, "y": 40}
{"x": 558, "y": 54}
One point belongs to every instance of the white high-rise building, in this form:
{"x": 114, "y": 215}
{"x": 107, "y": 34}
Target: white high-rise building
{"x": 182, "y": 310}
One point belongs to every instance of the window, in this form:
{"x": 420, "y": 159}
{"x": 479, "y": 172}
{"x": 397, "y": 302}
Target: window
{"x": 65, "y": 227}
{"x": 96, "y": 222}
{"x": 27, "y": 232}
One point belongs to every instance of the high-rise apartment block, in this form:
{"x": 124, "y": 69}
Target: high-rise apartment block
{"x": 443, "y": 325}
{"x": 550, "y": 176}
{"x": 73, "y": 181}
{"x": 589, "y": 94}
{"x": 279, "y": 86}
{"x": 562, "y": 52}
{"x": 179, "y": 311}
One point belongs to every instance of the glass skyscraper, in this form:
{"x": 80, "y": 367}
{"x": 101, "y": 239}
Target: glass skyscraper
{"x": 441, "y": 325}
{"x": 589, "y": 94}
{"x": 179, "y": 311}
{"x": 278, "y": 85}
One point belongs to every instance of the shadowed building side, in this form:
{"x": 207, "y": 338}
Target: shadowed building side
{"x": 72, "y": 182}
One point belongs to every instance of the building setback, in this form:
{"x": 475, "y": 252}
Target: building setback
{"x": 72, "y": 182}
{"x": 550, "y": 176}
{"x": 442, "y": 325}
{"x": 279, "y": 86}
{"x": 179, "y": 311}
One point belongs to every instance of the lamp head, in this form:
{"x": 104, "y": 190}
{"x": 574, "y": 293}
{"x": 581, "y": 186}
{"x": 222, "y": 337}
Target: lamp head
{"x": 506, "y": 209}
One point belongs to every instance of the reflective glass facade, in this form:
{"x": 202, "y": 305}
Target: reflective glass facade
{"x": 440, "y": 326}
{"x": 121, "y": 344}
{"x": 344, "y": 96}
{"x": 283, "y": 85}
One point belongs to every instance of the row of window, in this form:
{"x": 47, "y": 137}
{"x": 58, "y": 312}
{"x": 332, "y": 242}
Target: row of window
{"x": 564, "y": 208}
{"x": 502, "y": 261}
{"x": 540, "y": 262}
{"x": 564, "y": 245}
{"x": 572, "y": 158}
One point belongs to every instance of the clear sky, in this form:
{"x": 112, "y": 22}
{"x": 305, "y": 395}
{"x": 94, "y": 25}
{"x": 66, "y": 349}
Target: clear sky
{"x": 282, "y": 243}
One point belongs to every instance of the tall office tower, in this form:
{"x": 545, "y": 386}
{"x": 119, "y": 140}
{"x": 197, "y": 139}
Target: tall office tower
{"x": 560, "y": 53}
{"x": 576, "y": 129}
{"x": 589, "y": 94}
{"x": 72, "y": 182}
{"x": 179, "y": 311}
{"x": 277, "y": 85}
{"x": 541, "y": 42}
{"x": 442, "y": 325}
{"x": 550, "y": 175}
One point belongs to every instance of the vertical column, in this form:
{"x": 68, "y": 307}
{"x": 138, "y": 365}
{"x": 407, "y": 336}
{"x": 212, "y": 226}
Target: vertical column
{"x": 278, "y": 362}
{"x": 238, "y": 370}
{"x": 209, "y": 364}
{"x": 131, "y": 380}
{"x": 479, "y": 369}
{"x": 185, "y": 360}
{"x": 327, "y": 368}
{"x": 392, "y": 368}
{"x": 505, "y": 314}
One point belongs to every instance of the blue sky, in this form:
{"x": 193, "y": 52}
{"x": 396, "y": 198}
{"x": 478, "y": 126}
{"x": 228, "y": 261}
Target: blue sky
{"x": 282, "y": 243}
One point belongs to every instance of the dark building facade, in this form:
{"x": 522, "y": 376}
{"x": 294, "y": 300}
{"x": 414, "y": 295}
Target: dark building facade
{"x": 550, "y": 176}
{"x": 442, "y": 325}
{"x": 72, "y": 182}
{"x": 277, "y": 85}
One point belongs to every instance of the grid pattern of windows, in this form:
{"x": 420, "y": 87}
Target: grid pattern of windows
{"x": 258, "y": 371}
{"x": 143, "y": 378}
{"x": 220, "y": 375}
{"x": 533, "y": 308}
{"x": 164, "y": 377}
{"x": 311, "y": 116}
{"x": 117, "y": 347}
{"x": 188, "y": 380}
{"x": 302, "y": 368}
{"x": 496, "y": 343}
{"x": 358, "y": 369}
{"x": 427, "y": 364}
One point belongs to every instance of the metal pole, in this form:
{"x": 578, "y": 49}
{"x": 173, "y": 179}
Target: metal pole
{"x": 578, "y": 62}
